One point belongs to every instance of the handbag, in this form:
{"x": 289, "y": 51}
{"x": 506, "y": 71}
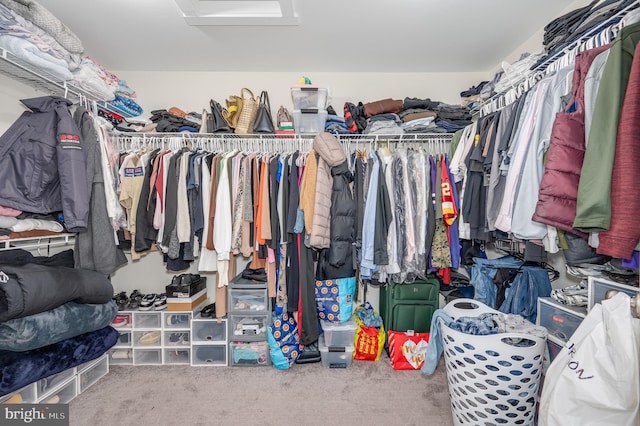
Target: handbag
{"x": 264, "y": 122}
{"x": 215, "y": 120}
{"x": 247, "y": 113}
{"x": 284, "y": 118}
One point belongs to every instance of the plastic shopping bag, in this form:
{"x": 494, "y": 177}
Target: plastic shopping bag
{"x": 334, "y": 299}
{"x": 594, "y": 379}
{"x": 369, "y": 339}
{"x": 407, "y": 350}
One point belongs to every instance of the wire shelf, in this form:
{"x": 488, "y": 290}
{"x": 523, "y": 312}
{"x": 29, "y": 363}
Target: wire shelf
{"x": 38, "y": 242}
{"x": 26, "y": 73}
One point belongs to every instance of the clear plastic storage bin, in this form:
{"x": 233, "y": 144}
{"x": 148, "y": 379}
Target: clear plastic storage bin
{"x": 309, "y": 122}
{"x": 336, "y": 334}
{"x": 309, "y": 97}
{"x": 335, "y": 356}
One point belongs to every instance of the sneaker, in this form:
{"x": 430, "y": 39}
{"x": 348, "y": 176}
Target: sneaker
{"x": 121, "y": 300}
{"x": 181, "y": 338}
{"x": 147, "y": 302}
{"x": 120, "y": 321}
{"x": 134, "y": 300}
{"x": 176, "y": 319}
{"x": 160, "y": 302}
{"x": 150, "y": 338}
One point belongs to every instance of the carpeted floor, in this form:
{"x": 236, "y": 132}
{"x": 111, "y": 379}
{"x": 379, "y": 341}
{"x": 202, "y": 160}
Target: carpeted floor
{"x": 370, "y": 393}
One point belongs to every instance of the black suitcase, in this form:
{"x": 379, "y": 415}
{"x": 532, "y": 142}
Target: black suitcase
{"x": 409, "y": 306}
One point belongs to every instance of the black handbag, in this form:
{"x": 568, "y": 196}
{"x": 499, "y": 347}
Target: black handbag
{"x": 215, "y": 121}
{"x": 263, "y": 123}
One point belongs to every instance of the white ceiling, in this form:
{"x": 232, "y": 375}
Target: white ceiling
{"x": 331, "y": 35}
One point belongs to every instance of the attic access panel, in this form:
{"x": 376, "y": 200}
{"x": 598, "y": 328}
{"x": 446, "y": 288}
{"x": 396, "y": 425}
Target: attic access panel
{"x": 238, "y": 12}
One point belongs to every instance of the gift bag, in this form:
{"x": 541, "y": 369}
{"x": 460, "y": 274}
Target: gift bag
{"x": 407, "y": 350}
{"x": 370, "y": 335}
{"x": 594, "y": 379}
{"x": 284, "y": 343}
{"x": 334, "y": 299}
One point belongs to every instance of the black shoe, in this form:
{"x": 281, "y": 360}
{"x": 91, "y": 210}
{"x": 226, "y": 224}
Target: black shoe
{"x": 121, "y": 300}
{"x": 208, "y": 311}
{"x": 134, "y": 300}
{"x": 310, "y": 353}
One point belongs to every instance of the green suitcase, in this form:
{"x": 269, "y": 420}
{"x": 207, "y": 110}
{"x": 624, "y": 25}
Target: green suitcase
{"x": 409, "y": 306}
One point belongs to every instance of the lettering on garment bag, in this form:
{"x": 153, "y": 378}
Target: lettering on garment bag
{"x": 575, "y": 365}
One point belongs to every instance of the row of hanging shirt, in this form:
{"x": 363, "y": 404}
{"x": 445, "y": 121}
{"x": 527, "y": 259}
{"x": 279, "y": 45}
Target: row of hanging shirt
{"x": 212, "y": 205}
{"x": 500, "y": 160}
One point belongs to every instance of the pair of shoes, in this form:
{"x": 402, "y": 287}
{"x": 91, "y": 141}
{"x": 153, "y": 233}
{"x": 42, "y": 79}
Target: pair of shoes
{"x": 120, "y": 321}
{"x": 161, "y": 302}
{"x": 147, "y": 302}
{"x": 176, "y": 319}
{"x": 181, "y": 338}
{"x": 134, "y": 300}
{"x": 121, "y": 300}
{"x": 150, "y": 338}
{"x": 185, "y": 279}
{"x": 208, "y": 311}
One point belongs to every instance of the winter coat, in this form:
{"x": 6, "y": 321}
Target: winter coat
{"x": 42, "y": 164}
{"x": 337, "y": 260}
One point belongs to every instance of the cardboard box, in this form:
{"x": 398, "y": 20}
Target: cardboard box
{"x": 186, "y": 291}
{"x": 186, "y": 303}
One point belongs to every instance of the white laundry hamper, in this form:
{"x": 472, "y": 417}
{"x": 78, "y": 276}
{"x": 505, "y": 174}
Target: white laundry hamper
{"x": 492, "y": 381}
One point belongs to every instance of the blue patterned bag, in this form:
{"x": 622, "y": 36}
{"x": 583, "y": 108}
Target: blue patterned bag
{"x": 284, "y": 342}
{"x": 334, "y": 299}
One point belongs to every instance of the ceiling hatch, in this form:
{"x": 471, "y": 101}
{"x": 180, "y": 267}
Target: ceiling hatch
{"x": 239, "y": 12}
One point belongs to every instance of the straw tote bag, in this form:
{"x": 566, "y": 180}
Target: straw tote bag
{"x": 248, "y": 112}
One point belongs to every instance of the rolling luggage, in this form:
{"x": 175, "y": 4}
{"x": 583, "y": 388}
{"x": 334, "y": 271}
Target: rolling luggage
{"x": 409, "y": 305}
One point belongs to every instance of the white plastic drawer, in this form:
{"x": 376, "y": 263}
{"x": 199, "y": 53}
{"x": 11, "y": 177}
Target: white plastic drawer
{"x": 598, "y": 288}
{"x": 48, "y": 384}
{"x": 177, "y": 356}
{"x": 179, "y": 320}
{"x": 122, "y": 321}
{"x": 147, "y": 356}
{"x": 26, "y": 395}
{"x": 209, "y": 331}
{"x": 178, "y": 338}
{"x": 92, "y": 374}
{"x": 214, "y": 355}
{"x": 241, "y": 299}
{"x": 63, "y": 395}
{"x": 125, "y": 339}
{"x": 150, "y": 338}
{"x": 249, "y": 327}
{"x": 121, "y": 356}
{"x": 147, "y": 319}
{"x": 249, "y": 354}
{"x": 559, "y": 321}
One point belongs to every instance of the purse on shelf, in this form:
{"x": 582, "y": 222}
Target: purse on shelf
{"x": 232, "y": 112}
{"x": 284, "y": 117}
{"x": 263, "y": 122}
{"x": 247, "y": 113}
{"x": 216, "y": 122}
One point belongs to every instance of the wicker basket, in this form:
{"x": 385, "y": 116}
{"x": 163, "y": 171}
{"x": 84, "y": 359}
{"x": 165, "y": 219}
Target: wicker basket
{"x": 494, "y": 379}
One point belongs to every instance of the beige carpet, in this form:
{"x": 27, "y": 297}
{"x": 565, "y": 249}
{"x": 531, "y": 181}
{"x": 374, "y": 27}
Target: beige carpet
{"x": 367, "y": 393}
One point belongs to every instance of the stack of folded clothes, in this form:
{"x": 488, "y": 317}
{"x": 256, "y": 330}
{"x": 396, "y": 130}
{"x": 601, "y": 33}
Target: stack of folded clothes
{"x": 418, "y": 115}
{"x": 175, "y": 120}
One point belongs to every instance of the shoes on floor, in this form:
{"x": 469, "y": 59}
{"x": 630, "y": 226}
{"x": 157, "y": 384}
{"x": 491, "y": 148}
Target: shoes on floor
{"x": 147, "y": 302}
{"x": 120, "y": 321}
{"x": 150, "y": 338}
{"x": 161, "y": 302}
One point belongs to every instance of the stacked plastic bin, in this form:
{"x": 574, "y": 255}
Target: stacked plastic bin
{"x": 336, "y": 344}
{"x": 309, "y": 108}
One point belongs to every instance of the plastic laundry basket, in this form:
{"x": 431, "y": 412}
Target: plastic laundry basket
{"x": 492, "y": 379}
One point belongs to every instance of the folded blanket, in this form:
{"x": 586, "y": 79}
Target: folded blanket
{"x": 56, "y": 325}
{"x": 31, "y": 289}
{"x": 18, "y": 369}
{"x": 39, "y": 15}
{"x": 87, "y": 77}
{"x": 29, "y": 52}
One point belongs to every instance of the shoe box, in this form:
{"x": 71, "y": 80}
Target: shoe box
{"x": 186, "y": 289}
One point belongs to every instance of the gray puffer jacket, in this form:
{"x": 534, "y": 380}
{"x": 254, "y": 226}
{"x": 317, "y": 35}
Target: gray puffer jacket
{"x": 42, "y": 165}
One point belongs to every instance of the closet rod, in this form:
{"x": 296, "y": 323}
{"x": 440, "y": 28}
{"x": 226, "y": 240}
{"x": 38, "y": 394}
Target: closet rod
{"x": 594, "y": 37}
